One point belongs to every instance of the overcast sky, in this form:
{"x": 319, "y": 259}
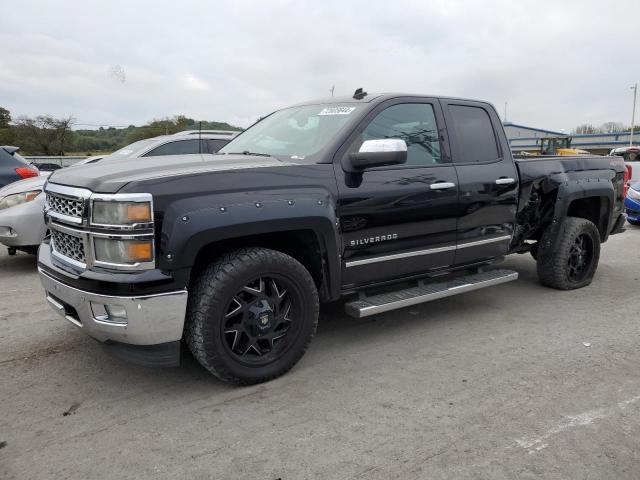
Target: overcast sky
{"x": 558, "y": 64}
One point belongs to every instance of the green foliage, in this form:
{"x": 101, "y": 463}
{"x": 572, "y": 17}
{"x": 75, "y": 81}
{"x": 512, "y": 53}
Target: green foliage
{"x": 6, "y": 135}
{"x": 45, "y": 135}
{"x": 608, "y": 127}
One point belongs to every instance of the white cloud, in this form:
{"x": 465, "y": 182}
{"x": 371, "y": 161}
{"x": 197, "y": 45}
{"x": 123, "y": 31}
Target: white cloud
{"x": 557, "y": 63}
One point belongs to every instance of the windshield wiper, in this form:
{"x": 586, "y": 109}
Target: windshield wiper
{"x": 247, "y": 152}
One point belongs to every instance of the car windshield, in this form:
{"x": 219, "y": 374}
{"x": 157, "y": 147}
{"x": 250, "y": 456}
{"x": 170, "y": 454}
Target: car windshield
{"x": 297, "y": 132}
{"x": 132, "y": 150}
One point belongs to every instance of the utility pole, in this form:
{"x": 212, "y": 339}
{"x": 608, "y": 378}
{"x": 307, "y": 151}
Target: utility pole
{"x": 505, "y": 111}
{"x": 633, "y": 114}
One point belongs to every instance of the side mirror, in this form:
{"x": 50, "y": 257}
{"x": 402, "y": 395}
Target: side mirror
{"x": 378, "y": 153}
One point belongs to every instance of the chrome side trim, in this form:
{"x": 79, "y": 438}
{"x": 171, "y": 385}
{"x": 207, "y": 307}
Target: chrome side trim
{"x": 397, "y": 256}
{"x": 417, "y": 253}
{"x": 484, "y": 242}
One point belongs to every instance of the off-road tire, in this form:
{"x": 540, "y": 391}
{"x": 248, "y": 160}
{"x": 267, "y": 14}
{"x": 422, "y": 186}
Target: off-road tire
{"x": 553, "y": 263}
{"x": 208, "y": 300}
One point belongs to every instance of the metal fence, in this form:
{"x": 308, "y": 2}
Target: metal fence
{"x": 62, "y": 161}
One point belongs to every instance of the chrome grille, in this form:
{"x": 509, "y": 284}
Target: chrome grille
{"x": 68, "y": 246}
{"x": 66, "y": 206}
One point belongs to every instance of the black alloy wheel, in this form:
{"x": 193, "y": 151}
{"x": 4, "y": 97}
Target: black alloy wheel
{"x": 259, "y": 321}
{"x": 580, "y": 258}
{"x": 252, "y": 314}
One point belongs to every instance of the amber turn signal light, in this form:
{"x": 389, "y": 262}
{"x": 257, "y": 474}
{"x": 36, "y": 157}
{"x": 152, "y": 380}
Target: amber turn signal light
{"x": 139, "y": 251}
{"x": 139, "y": 212}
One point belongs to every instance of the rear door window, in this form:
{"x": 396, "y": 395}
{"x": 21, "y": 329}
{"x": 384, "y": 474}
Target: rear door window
{"x": 475, "y": 137}
{"x": 179, "y": 147}
{"x": 215, "y": 144}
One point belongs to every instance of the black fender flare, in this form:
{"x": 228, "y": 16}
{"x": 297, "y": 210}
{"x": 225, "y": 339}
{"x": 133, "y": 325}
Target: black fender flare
{"x": 191, "y": 224}
{"x": 571, "y": 190}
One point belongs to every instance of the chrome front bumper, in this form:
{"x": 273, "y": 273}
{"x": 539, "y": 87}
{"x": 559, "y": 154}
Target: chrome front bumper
{"x": 149, "y": 319}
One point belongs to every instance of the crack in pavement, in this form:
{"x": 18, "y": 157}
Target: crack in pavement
{"x": 537, "y": 443}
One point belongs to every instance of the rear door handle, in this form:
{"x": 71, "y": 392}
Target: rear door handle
{"x": 505, "y": 181}
{"x": 442, "y": 185}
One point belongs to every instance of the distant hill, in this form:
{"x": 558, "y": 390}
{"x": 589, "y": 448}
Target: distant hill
{"x": 46, "y": 135}
{"x": 110, "y": 139}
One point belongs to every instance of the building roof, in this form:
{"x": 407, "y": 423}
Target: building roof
{"x": 510, "y": 124}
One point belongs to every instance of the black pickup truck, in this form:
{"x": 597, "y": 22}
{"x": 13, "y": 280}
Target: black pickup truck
{"x": 383, "y": 200}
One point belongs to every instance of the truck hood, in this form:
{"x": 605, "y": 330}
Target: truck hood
{"x": 109, "y": 176}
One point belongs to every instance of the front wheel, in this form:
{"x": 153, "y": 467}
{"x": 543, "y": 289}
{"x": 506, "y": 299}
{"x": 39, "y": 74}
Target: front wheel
{"x": 634, "y": 222}
{"x": 574, "y": 260}
{"x": 251, "y": 315}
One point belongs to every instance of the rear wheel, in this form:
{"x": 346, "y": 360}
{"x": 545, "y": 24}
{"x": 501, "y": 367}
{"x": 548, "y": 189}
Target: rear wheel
{"x": 574, "y": 260}
{"x": 251, "y": 316}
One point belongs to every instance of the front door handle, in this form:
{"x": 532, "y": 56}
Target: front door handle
{"x": 505, "y": 181}
{"x": 442, "y": 185}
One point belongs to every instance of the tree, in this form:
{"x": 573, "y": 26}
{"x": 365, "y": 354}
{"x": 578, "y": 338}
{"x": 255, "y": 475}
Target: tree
{"x": 585, "y": 128}
{"x": 6, "y": 135}
{"x": 163, "y": 126}
{"x": 44, "y": 134}
{"x": 610, "y": 127}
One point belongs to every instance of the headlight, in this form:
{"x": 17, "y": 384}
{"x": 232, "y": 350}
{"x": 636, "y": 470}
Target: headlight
{"x": 18, "y": 199}
{"x": 634, "y": 194}
{"x": 121, "y": 213}
{"x": 123, "y": 252}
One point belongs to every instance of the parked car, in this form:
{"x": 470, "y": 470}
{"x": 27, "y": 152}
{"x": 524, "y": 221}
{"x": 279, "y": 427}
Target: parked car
{"x": 386, "y": 201}
{"x": 21, "y": 219}
{"x": 47, "y": 168}
{"x": 631, "y": 156}
{"x": 13, "y": 167}
{"x": 632, "y": 204}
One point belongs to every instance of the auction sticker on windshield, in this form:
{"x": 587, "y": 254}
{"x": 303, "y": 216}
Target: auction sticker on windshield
{"x": 337, "y": 110}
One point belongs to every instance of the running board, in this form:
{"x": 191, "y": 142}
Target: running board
{"x": 385, "y": 302}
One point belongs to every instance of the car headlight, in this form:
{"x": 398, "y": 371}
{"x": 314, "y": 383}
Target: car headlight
{"x": 634, "y": 194}
{"x": 123, "y": 252}
{"x": 121, "y": 213}
{"x": 18, "y": 199}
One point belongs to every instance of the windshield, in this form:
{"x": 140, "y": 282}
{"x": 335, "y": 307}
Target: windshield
{"x": 131, "y": 150}
{"x": 296, "y": 132}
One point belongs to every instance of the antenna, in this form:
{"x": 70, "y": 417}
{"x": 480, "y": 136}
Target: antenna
{"x": 359, "y": 94}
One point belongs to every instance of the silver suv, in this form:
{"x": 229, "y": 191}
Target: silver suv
{"x": 190, "y": 141}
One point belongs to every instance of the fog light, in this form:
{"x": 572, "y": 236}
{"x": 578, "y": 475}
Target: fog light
{"x": 7, "y": 232}
{"x": 116, "y": 312}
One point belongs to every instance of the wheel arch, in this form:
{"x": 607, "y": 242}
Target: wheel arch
{"x": 591, "y": 199}
{"x": 305, "y": 245}
{"x": 304, "y": 228}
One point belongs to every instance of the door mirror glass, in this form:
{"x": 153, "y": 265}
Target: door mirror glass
{"x": 378, "y": 153}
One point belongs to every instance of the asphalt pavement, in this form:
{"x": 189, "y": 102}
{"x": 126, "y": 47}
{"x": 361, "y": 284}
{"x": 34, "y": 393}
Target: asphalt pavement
{"x": 514, "y": 381}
